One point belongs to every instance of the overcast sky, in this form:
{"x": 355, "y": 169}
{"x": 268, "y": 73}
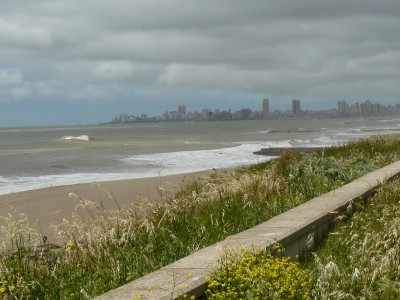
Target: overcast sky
{"x": 82, "y": 61}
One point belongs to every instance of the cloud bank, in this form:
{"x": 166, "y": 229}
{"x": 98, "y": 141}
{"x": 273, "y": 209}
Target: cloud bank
{"x": 146, "y": 56}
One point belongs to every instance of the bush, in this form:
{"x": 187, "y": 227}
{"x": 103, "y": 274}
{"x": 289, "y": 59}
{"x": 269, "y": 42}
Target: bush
{"x": 245, "y": 274}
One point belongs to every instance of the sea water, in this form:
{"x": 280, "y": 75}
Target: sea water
{"x": 32, "y": 158}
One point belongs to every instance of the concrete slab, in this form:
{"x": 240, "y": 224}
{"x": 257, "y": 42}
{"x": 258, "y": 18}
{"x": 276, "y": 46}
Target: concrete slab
{"x": 162, "y": 284}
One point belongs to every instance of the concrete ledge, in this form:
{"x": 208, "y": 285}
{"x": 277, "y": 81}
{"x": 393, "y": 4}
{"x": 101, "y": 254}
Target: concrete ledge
{"x": 297, "y": 230}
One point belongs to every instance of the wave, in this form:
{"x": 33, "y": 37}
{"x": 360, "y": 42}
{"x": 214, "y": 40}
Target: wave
{"x": 141, "y": 166}
{"x": 82, "y": 137}
{"x": 159, "y": 164}
{"x": 379, "y": 129}
{"x": 16, "y": 184}
{"x": 197, "y": 160}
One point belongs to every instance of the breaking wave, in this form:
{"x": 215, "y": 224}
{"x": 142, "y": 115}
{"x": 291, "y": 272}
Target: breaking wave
{"x": 82, "y": 137}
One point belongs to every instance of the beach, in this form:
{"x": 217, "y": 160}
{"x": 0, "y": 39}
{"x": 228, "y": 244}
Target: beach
{"x": 48, "y": 206}
{"x": 42, "y": 167}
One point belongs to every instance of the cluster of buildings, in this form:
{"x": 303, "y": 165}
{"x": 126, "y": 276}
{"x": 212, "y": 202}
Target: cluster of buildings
{"x": 365, "y": 109}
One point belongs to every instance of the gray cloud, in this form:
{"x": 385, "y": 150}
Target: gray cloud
{"x": 10, "y": 77}
{"x": 136, "y": 53}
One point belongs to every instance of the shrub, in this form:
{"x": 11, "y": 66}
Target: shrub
{"x": 244, "y": 274}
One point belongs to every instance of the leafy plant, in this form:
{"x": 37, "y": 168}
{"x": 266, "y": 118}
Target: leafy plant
{"x": 244, "y": 274}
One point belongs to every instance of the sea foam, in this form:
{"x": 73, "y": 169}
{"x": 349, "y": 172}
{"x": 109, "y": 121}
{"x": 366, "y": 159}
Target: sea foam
{"x": 146, "y": 165}
{"x": 82, "y": 137}
{"x": 181, "y": 162}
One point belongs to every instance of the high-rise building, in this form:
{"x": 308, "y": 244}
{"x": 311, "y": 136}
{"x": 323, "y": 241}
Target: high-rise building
{"x": 265, "y": 108}
{"x": 342, "y": 107}
{"x": 296, "y": 107}
{"x": 182, "y": 109}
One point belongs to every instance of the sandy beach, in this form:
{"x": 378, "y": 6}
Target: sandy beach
{"x": 47, "y": 206}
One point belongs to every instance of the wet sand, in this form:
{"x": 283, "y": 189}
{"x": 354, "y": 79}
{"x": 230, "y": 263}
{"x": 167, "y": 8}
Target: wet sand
{"x": 47, "y": 206}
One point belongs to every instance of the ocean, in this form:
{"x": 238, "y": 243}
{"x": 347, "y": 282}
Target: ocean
{"x": 38, "y": 157}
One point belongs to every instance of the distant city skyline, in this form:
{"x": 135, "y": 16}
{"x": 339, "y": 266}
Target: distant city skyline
{"x": 78, "y": 62}
{"x": 342, "y": 110}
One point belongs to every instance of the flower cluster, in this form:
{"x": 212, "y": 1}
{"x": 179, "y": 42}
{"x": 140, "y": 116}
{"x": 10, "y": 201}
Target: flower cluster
{"x": 6, "y": 289}
{"x": 245, "y": 274}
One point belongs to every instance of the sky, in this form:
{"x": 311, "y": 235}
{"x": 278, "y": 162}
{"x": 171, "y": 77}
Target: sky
{"x": 83, "y": 61}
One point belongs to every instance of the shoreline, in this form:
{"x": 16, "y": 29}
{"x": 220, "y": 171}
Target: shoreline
{"x": 47, "y": 206}
{"x": 278, "y": 151}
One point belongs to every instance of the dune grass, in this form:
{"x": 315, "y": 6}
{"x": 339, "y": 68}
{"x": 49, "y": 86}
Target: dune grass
{"x": 116, "y": 247}
{"x": 361, "y": 258}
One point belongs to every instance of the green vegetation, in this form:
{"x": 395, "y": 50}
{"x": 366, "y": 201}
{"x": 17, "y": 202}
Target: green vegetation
{"x": 361, "y": 258}
{"x": 257, "y": 275}
{"x": 119, "y": 246}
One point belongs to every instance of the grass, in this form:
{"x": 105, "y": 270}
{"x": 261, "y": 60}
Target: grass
{"x": 361, "y": 258}
{"x": 116, "y": 247}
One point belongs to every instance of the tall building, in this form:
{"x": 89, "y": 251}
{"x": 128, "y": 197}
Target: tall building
{"x": 182, "y": 109}
{"x": 342, "y": 107}
{"x": 296, "y": 107}
{"x": 265, "y": 108}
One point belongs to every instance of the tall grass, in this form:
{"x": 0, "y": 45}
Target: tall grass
{"x": 361, "y": 258}
{"x": 115, "y": 247}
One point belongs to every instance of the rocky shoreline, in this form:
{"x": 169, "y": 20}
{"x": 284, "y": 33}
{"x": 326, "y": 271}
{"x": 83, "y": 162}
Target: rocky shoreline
{"x": 278, "y": 151}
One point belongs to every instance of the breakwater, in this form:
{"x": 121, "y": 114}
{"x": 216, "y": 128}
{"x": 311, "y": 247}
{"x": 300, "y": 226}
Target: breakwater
{"x": 278, "y": 151}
